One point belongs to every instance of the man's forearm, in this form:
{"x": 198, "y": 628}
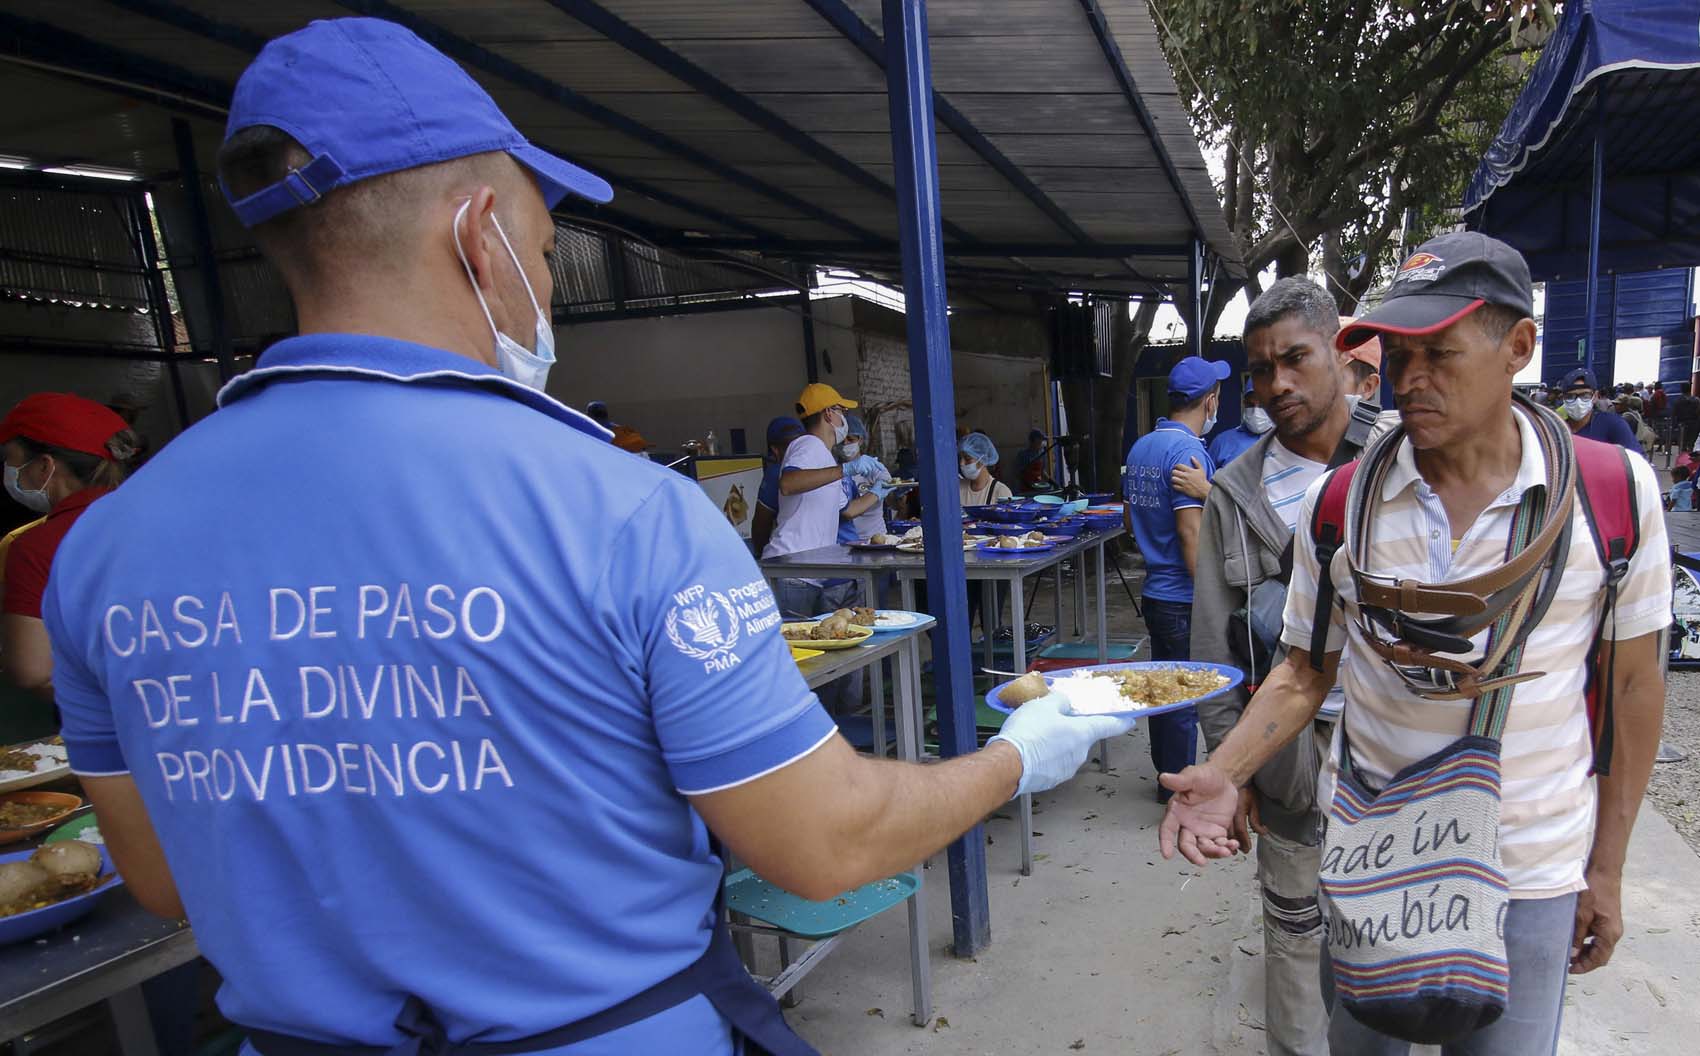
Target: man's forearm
{"x": 900, "y": 813}
{"x": 1281, "y": 708}
{"x": 797, "y": 481}
{"x": 1639, "y": 714}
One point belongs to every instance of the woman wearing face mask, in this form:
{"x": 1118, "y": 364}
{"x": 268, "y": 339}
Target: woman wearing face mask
{"x": 62, "y": 452}
{"x": 976, "y": 455}
{"x": 861, "y": 472}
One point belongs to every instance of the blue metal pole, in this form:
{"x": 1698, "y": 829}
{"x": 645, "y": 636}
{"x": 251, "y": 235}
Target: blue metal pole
{"x": 914, "y": 154}
{"x": 1588, "y": 351}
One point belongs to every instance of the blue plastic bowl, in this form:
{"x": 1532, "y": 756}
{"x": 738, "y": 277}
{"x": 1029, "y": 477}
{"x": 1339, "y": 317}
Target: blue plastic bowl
{"x": 28, "y": 925}
{"x": 1048, "y": 500}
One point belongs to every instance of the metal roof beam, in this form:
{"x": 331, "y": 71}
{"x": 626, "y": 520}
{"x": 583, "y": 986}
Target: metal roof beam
{"x": 39, "y": 45}
{"x": 1108, "y": 251}
{"x": 872, "y": 45}
{"x": 241, "y": 39}
{"x": 1124, "y": 78}
{"x": 559, "y": 94}
{"x": 659, "y": 55}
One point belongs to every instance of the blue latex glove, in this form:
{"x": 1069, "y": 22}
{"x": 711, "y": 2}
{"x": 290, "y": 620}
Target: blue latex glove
{"x": 882, "y": 488}
{"x": 863, "y": 466}
{"x": 1054, "y": 744}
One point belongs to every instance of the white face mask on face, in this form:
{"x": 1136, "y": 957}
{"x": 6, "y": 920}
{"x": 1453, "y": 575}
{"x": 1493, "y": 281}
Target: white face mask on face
{"x": 841, "y": 429}
{"x": 1210, "y": 420}
{"x": 514, "y": 360}
{"x": 32, "y": 499}
{"x": 1578, "y": 407}
{"x": 970, "y": 470}
{"x": 851, "y": 449}
{"x": 1257, "y": 420}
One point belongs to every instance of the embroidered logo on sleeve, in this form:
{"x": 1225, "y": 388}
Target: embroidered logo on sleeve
{"x": 715, "y": 626}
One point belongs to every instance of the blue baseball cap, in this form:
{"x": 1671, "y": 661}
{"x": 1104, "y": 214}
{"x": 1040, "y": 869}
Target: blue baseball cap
{"x": 1193, "y": 377}
{"x": 783, "y": 431}
{"x": 367, "y": 97}
{"x": 1581, "y": 376}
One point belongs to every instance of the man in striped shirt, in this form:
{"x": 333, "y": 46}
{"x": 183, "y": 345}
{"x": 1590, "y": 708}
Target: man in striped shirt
{"x": 1455, "y": 330}
{"x": 1249, "y": 517}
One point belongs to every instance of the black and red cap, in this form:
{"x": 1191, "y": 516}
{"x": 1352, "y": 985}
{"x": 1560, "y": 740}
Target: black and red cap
{"x": 1447, "y": 278}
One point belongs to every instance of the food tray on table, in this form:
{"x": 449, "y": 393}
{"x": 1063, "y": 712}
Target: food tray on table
{"x": 888, "y": 620}
{"x": 85, "y": 828}
{"x": 1233, "y": 675}
{"x": 33, "y": 763}
{"x": 992, "y": 548}
{"x": 33, "y": 922}
{"x": 865, "y": 545}
{"x": 23, "y": 814}
{"x": 857, "y": 637}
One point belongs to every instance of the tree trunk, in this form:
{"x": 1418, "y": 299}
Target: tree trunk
{"x": 1293, "y": 260}
{"x": 1108, "y": 398}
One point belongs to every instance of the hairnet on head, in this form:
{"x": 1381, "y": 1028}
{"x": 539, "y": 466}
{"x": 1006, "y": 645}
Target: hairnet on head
{"x": 856, "y": 426}
{"x": 979, "y": 447}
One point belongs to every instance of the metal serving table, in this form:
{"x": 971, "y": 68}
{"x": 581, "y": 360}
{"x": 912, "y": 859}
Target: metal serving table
{"x": 903, "y": 647}
{"x": 106, "y": 956}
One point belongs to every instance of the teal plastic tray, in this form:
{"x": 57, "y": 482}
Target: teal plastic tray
{"x": 752, "y": 896}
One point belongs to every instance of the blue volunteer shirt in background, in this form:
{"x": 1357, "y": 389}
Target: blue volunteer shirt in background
{"x": 413, "y": 708}
{"x": 1152, "y": 503}
{"x": 847, "y": 528}
{"x": 1231, "y": 444}
{"x": 767, "y": 494}
{"x": 1609, "y": 427}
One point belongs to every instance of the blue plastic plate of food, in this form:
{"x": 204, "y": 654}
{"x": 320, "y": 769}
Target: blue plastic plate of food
{"x": 1233, "y": 675}
{"x": 34, "y": 922}
{"x": 990, "y": 547}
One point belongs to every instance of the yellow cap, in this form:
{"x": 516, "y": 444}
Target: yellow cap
{"x": 817, "y": 397}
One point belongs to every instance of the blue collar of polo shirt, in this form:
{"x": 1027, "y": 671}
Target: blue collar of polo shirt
{"x": 364, "y": 356}
{"x": 1173, "y": 426}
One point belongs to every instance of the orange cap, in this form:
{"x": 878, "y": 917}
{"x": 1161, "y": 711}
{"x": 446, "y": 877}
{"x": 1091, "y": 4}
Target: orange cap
{"x": 1369, "y": 351}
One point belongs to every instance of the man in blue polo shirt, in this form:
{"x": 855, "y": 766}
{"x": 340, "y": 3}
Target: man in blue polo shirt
{"x": 1165, "y": 523}
{"x": 1254, "y": 422}
{"x": 425, "y": 771}
{"x": 1581, "y": 389}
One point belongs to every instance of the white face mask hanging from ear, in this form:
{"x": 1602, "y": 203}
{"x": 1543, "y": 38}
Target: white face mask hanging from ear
{"x": 513, "y": 359}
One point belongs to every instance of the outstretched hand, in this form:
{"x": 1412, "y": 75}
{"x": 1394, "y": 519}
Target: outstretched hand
{"x": 1201, "y": 814}
{"x": 1191, "y": 480}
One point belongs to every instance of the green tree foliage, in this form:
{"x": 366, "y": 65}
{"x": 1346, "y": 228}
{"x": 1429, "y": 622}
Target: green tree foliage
{"x": 1336, "y": 117}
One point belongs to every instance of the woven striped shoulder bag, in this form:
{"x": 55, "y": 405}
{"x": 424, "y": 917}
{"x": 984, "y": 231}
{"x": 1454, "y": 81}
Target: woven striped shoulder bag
{"x": 1413, "y": 891}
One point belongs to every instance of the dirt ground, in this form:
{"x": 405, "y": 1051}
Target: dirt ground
{"x": 1675, "y": 788}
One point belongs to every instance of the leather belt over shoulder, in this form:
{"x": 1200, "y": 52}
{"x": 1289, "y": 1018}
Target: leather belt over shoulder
{"x": 1509, "y": 598}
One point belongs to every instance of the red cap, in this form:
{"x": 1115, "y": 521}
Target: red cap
{"x": 59, "y": 419}
{"x": 1367, "y": 350}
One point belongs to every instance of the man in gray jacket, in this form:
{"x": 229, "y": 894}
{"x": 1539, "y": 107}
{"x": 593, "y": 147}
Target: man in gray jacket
{"x": 1249, "y": 516}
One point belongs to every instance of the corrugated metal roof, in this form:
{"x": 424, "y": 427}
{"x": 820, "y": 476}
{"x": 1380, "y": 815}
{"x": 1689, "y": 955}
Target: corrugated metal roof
{"x": 59, "y": 245}
{"x": 760, "y": 124}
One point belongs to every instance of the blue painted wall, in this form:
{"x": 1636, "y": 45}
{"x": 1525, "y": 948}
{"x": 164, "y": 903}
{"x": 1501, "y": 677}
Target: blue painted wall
{"x": 1634, "y": 304}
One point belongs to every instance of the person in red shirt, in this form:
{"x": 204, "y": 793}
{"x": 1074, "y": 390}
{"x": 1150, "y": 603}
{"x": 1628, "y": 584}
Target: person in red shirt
{"x": 62, "y": 452}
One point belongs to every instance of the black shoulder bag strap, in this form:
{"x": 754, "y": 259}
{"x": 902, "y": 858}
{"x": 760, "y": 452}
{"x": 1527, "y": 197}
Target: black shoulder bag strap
{"x": 1351, "y": 445}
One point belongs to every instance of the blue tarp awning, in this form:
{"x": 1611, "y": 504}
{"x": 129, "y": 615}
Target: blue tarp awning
{"x": 1629, "y": 70}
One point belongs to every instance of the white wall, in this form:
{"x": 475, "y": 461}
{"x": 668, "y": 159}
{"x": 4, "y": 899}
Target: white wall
{"x": 675, "y": 378}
